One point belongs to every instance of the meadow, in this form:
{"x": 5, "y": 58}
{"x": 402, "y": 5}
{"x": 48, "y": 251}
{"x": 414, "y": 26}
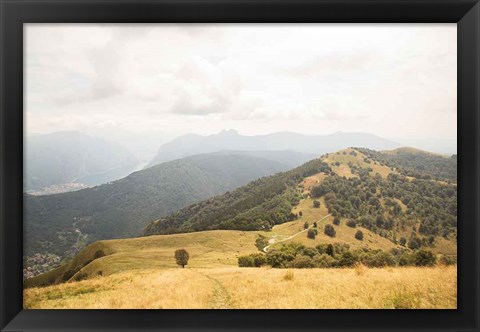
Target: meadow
{"x": 259, "y": 288}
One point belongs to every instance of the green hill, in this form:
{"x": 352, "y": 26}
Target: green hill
{"x": 389, "y": 194}
{"x": 64, "y": 223}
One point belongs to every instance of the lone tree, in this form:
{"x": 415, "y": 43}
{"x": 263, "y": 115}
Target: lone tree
{"x": 359, "y": 235}
{"x": 316, "y": 204}
{"x": 182, "y": 256}
{"x": 305, "y": 225}
{"x": 311, "y": 234}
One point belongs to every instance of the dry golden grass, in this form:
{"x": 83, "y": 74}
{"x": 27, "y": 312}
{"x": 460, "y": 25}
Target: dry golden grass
{"x": 259, "y": 288}
{"x": 344, "y": 233}
{"x": 344, "y": 170}
{"x": 207, "y": 249}
{"x": 312, "y": 181}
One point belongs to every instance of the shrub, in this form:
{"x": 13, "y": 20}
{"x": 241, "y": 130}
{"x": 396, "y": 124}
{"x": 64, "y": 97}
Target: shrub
{"x": 305, "y": 225}
{"x": 276, "y": 258}
{"x": 359, "y": 235}
{"x": 324, "y": 261}
{"x": 316, "y": 204}
{"x": 336, "y": 221}
{"x": 403, "y": 241}
{"x": 302, "y": 262}
{"x": 311, "y": 234}
{"x": 81, "y": 276}
{"x": 348, "y": 259}
{"x": 261, "y": 242}
{"x": 315, "y": 225}
{"x": 310, "y": 252}
{"x": 380, "y": 259}
{"x": 351, "y": 223}
{"x": 330, "y": 250}
{"x": 408, "y": 258}
{"x": 99, "y": 253}
{"x": 258, "y": 260}
{"x": 448, "y": 260}
{"x": 329, "y": 230}
{"x": 414, "y": 243}
{"x": 245, "y": 261}
{"x": 425, "y": 258}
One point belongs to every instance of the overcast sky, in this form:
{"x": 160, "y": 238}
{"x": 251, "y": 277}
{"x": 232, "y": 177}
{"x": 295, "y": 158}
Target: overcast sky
{"x": 161, "y": 81}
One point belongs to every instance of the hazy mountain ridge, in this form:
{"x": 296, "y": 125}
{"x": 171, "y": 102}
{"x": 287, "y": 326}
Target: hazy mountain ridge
{"x": 231, "y": 140}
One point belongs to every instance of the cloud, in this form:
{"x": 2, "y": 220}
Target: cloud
{"x": 390, "y": 80}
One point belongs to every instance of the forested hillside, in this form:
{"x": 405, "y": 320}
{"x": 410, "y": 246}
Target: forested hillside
{"x": 258, "y": 205}
{"x": 403, "y": 196}
{"x": 62, "y": 224}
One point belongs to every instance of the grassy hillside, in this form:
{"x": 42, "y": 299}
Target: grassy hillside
{"x": 207, "y": 249}
{"x": 224, "y": 288}
{"x": 61, "y": 224}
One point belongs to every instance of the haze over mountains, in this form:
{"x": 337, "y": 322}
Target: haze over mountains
{"x": 231, "y": 140}
{"x": 63, "y": 158}
{"x": 66, "y": 161}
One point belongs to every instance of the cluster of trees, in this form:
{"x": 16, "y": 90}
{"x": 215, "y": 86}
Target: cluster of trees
{"x": 294, "y": 255}
{"x": 429, "y": 207}
{"x": 261, "y": 204}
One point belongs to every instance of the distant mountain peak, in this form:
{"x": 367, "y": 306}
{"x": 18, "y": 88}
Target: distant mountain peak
{"x": 229, "y": 132}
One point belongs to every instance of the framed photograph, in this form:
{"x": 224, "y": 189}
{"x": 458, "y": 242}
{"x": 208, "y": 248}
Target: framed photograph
{"x": 228, "y": 165}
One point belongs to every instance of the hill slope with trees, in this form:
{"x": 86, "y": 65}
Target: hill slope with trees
{"x": 405, "y": 197}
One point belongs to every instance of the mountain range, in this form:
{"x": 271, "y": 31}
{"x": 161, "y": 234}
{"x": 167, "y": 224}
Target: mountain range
{"x": 191, "y": 144}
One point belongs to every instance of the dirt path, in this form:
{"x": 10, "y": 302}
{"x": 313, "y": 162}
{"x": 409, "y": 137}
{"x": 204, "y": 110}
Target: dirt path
{"x": 274, "y": 241}
{"x": 221, "y": 298}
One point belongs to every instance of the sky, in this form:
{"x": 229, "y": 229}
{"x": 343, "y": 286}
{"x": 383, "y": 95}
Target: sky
{"x": 146, "y": 84}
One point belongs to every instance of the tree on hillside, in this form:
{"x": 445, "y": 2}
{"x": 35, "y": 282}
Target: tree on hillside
{"x": 305, "y": 225}
{"x": 351, "y": 223}
{"x": 311, "y": 234}
{"x": 182, "y": 256}
{"x": 329, "y": 230}
{"x": 336, "y": 221}
{"x": 359, "y": 235}
{"x": 316, "y": 204}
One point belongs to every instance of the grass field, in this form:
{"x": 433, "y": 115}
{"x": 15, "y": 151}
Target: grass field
{"x": 261, "y": 288}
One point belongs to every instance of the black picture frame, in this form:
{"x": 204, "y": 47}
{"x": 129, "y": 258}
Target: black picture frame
{"x": 14, "y": 13}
